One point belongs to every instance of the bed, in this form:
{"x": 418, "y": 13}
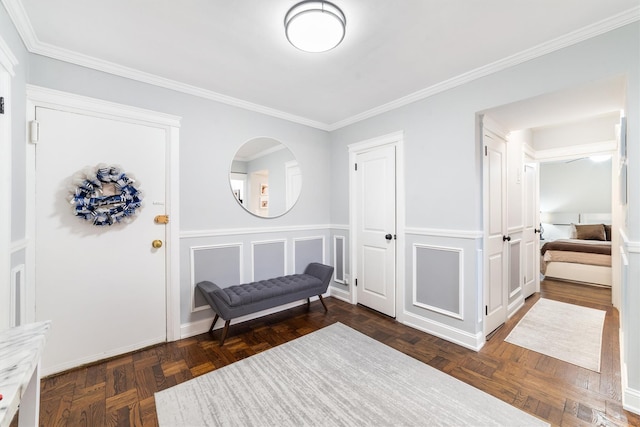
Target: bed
{"x": 586, "y": 257}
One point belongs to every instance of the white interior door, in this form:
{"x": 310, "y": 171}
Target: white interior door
{"x": 376, "y": 228}
{"x": 531, "y": 232}
{"x": 104, "y": 288}
{"x": 495, "y": 223}
{"x": 293, "y": 182}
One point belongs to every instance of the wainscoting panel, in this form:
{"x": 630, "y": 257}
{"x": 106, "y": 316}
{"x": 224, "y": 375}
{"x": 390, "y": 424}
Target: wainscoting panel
{"x": 515, "y": 283}
{"x": 443, "y": 284}
{"x": 18, "y": 297}
{"x": 307, "y": 250}
{"x": 530, "y": 269}
{"x": 221, "y": 264}
{"x": 339, "y": 258}
{"x": 235, "y": 256}
{"x": 269, "y": 259}
{"x": 438, "y": 279}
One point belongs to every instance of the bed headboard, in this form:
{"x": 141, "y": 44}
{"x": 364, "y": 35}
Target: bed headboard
{"x": 557, "y": 225}
{"x": 567, "y": 218}
{"x": 595, "y": 218}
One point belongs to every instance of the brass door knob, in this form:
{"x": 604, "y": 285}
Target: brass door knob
{"x": 156, "y": 244}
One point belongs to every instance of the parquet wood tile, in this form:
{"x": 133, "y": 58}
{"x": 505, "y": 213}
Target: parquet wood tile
{"x": 119, "y": 391}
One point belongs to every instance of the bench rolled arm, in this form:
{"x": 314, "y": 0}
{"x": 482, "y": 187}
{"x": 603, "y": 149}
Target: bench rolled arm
{"x": 321, "y": 271}
{"x": 209, "y": 288}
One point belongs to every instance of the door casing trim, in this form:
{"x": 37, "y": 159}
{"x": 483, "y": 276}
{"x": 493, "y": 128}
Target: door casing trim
{"x": 395, "y": 139}
{"x": 49, "y": 98}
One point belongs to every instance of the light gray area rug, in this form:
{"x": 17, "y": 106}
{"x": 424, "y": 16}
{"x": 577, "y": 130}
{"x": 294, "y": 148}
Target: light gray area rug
{"x": 332, "y": 377}
{"x": 565, "y": 331}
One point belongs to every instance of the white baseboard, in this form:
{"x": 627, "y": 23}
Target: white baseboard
{"x": 515, "y": 306}
{"x": 631, "y": 400}
{"x": 191, "y": 329}
{"x": 340, "y": 294}
{"x": 630, "y": 396}
{"x": 50, "y": 370}
{"x": 446, "y": 332}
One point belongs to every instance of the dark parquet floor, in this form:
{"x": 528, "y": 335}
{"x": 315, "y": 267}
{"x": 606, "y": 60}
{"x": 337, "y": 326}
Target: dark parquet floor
{"x": 119, "y": 391}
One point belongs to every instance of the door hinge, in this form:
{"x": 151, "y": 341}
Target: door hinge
{"x": 486, "y": 152}
{"x": 356, "y": 282}
{"x": 34, "y": 131}
{"x": 1, "y": 104}
{"x": 356, "y": 165}
{"x": 486, "y": 310}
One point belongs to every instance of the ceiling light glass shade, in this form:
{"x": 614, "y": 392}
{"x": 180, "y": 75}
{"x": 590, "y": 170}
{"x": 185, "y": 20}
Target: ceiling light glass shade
{"x": 315, "y": 26}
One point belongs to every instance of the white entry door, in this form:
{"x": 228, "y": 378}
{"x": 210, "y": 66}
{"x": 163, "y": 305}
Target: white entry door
{"x": 495, "y": 224}
{"x": 530, "y": 235}
{"x": 376, "y": 228}
{"x": 103, "y": 287}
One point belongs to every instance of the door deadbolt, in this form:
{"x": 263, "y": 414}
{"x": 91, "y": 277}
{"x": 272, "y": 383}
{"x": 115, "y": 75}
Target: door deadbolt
{"x": 161, "y": 219}
{"x": 156, "y": 244}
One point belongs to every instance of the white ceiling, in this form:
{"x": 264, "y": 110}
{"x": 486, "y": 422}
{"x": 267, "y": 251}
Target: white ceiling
{"x": 574, "y": 104}
{"x": 236, "y": 51}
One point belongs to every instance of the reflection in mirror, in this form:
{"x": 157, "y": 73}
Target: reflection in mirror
{"x": 265, "y": 177}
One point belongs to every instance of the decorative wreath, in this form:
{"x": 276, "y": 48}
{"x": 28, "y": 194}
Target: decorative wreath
{"x": 105, "y": 195}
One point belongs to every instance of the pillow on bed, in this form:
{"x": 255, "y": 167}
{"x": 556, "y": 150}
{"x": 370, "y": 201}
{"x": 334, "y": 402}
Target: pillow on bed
{"x": 607, "y": 232}
{"x": 590, "y": 232}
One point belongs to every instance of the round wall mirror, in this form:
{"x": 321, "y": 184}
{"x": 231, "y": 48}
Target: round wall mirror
{"x": 265, "y": 177}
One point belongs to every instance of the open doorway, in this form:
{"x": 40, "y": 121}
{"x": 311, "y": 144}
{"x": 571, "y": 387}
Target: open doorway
{"x": 576, "y": 214}
{"x": 563, "y": 126}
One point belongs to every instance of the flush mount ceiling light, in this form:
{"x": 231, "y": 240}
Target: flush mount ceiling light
{"x": 315, "y": 26}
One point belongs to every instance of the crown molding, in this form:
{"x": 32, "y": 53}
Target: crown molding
{"x": 593, "y": 30}
{"x": 144, "y": 77}
{"x": 20, "y": 19}
{"x": 22, "y": 23}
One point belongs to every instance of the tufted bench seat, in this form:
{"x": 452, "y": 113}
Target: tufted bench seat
{"x": 240, "y": 300}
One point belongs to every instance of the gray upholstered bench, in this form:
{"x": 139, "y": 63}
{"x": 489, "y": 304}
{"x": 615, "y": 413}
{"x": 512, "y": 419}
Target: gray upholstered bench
{"x": 239, "y": 300}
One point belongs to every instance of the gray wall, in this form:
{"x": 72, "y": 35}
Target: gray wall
{"x": 575, "y": 186}
{"x": 443, "y": 168}
{"x": 442, "y": 174}
{"x": 210, "y": 135}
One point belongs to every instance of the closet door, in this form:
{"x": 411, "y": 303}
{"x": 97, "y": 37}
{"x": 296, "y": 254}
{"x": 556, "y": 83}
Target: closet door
{"x": 496, "y": 264}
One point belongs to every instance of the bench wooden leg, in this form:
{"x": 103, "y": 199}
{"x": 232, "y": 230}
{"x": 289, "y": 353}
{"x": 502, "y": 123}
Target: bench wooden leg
{"x": 224, "y": 332}
{"x": 215, "y": 319}
{"x": 323, "y": 304}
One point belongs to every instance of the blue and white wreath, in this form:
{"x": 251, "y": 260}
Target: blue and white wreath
{"x": 105, "y": 195}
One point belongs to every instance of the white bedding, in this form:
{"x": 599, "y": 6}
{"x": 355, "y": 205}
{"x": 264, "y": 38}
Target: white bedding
{"x": 577, "y": 266}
